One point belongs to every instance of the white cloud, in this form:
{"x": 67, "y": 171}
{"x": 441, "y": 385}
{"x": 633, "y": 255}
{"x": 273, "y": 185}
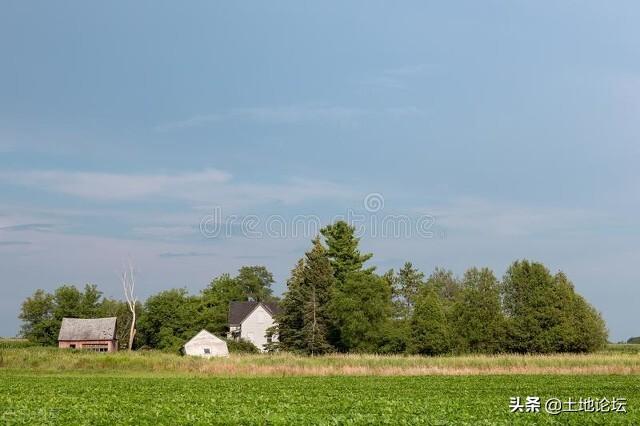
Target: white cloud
{"x": 288, "y": 115}
{"x": 110, "y": 186}
{"x": 210, "y": 187}
{"x": 479, "y": 216}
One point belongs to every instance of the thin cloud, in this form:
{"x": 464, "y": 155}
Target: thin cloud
{"x": 37, "y": 227}
{"x": 210, "y": 187}
{"x": 337, "y": 115}
{"x": 15, "y": 243}
{"x": 171, "y": 255}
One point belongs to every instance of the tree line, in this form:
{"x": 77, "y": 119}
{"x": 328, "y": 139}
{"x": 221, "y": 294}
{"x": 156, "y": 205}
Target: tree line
{"x": 334, "y": 302}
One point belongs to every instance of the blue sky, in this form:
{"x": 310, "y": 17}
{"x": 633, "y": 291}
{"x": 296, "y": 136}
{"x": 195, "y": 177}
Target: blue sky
{"x": 514, "y": 125}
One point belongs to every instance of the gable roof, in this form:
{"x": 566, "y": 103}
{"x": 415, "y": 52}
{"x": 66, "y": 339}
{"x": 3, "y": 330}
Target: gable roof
{"x": 205, "y": 336}
{"x": 88, "y": 329}
{"x": 239, "y": 311}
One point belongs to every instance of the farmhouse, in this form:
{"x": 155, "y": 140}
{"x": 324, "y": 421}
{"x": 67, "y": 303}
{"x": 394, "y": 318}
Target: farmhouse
{"x": 250, "y": 321}
{"x": 94, "y": 334}
{"x": 206, "y": 345}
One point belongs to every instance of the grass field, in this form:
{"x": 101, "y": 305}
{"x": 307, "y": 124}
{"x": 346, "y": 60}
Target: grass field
{"x": 53, "y": 360}
{"x": 51, "y": 386}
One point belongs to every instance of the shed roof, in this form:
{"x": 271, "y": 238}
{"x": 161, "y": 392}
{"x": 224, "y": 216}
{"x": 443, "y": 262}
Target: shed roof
{"x": 238, "y": 311}
{"x": 204, "y": 336}
{"x": 88, "y": 329}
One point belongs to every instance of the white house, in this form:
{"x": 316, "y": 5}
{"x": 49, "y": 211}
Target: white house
{"x": 250, "y": 321}
{"x": 206, "y": 345}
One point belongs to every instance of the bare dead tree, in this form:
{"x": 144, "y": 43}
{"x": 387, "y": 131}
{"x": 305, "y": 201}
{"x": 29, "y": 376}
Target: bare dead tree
{"x": 129, "y": 285}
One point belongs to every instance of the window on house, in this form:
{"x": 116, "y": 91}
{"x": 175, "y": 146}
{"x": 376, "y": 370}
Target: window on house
{"x": 207, "y": 350}
{"x": 72, "y": 346}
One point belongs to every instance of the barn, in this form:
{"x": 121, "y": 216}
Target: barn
{"x": 94, "y": 334}
{"x": 206, "y": 345}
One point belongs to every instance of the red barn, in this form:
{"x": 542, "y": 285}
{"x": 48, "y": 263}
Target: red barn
{"x": 94, "y": 334}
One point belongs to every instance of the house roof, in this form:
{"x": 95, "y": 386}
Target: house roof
{"x": 204, "y": 336}
{"x": 88, "y": 329}
{"x": 238, "y": 311}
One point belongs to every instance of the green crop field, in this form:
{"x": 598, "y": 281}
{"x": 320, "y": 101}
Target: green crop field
{"x": 52, "y": 386}
{"x": 95, "y": 399}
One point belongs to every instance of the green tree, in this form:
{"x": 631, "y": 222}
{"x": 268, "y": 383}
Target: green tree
{"x": 406, "y": 286}
{"x": 256, "y": 282}
{"x": 290, "y": 320}
{"x": 38, "y": 324}
{"x": 343, "y": 250}
{"x": 361, "y": 309}
{"x": 120, "y": 310}
{"x": 169, "y": 319}
{"x": 429, "y": 328}
{"x": 214, "y": 302}
{"x": 582, "y": 328}
{"x": 479, "y": 323}
{"x": 533, "y": 308}
{"x": 317, "y": 286}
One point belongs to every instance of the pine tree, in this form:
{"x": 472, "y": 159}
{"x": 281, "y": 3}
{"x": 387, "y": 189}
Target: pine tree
{"x": 317, "y": 286}
{"x": 406, "y": 286}
{"x": 290, "y": 320}
{"x": 343, "y": 250}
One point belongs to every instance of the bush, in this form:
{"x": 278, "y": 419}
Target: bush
{"x": 634, "y": 340}
{"x": 16, "y": 343}
{"x": 242, "y": 346}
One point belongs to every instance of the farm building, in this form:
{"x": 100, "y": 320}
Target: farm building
{"x": 206, "y": 345}
{"x": 94, "y": 334}
{"x": 250, "y": 321}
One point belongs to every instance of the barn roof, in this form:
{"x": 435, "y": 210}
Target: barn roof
{"x": 88, "y": 329}
{"x": 238, "y": 311}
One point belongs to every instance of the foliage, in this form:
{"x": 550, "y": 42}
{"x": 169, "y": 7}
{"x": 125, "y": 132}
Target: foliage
{"x": 478, "y": 320}
{"x": 430, "y": 334}
{"x": 167, "y": 320}
{"x": 42, "y": 312}
{"x": 255, "y": 283}
{"x": 360, "y": 309}
{"x": 342, "y": 250}
{"x": 241, "y": 346}
{"x": 544, "y": 314}
{"x": 634, "y": 340}
{"x": 469, "y": 400}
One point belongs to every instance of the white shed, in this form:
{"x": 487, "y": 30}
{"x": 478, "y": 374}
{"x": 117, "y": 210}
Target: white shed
{"x": 206, "y": 345}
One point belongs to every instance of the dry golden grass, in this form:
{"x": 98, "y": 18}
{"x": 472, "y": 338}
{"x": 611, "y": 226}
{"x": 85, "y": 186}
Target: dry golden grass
{"x": 52, "y": 360}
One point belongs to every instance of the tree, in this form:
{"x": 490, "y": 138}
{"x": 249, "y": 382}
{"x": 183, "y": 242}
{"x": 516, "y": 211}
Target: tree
{"x": 581, "y": 327}
{"x": 36, "y": 313}
{"x": 361, "y": 309}
{"x": 343, "y": 250}
{"x": 169, "y": 319}
{"x": 215, "y": 300}
{"x": 477, "y": 313}
{"x": 429, "y": 328}
{"x": 533, "y": 308}
{"x": 317, "y": 285}
{"x": 42, "y": 313}
{"x": 256, "y": 282}
{"x": 129, "y": 286}
{"x": 120, "y": 310}
{"x": 290, "y": 320}
{"x": 406, "y": 286}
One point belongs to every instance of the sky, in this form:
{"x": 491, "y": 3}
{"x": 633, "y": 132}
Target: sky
{"x": 194, "y": 138}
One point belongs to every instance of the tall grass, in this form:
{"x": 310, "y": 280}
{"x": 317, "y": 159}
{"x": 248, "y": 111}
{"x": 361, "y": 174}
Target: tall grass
{"x": 53, "y": 360}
